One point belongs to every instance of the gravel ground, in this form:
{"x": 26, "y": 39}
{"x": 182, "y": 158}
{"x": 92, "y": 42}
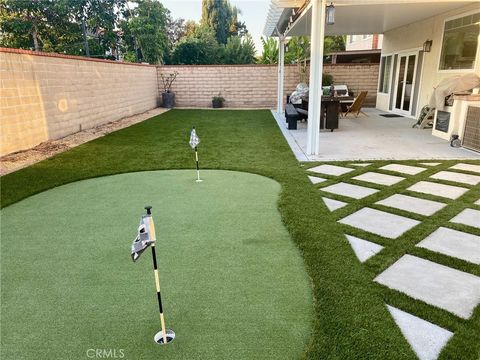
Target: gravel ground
{"x": 20, "y": 159}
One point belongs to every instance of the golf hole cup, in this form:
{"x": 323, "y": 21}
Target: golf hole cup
{"x": 159, "y": 337}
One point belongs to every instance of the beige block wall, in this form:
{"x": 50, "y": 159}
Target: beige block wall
{"x": 357, "y": 77}
{"x": 51, "y": 96}
{"x": 255, "y": 86}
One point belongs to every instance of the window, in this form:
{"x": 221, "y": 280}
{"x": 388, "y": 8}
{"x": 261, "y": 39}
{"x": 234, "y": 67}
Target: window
{"x": 352, "y": 38}
{"x": 364, "y": 37}
{"x": 385, "y": 74}
{"x": 460, "y": 42}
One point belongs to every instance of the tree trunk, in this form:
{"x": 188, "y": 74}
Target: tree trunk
{"x": 35, "y": 39}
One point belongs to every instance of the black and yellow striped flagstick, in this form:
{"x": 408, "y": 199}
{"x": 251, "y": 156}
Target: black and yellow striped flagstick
{"x": 165, "y": 335}
{"x": 198, "y": 167}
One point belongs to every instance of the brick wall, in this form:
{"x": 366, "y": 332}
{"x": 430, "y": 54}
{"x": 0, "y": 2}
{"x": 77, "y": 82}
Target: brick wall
{"x": 255, "y": 86}
{"x": 48, "y": 96}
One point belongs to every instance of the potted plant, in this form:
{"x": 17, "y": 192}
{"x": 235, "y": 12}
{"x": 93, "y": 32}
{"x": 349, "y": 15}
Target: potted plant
{"x": 168, "y": 97}
{"x": 217, "y": 101}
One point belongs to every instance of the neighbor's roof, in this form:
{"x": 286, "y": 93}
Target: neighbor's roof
{"x": 354, "y": 16}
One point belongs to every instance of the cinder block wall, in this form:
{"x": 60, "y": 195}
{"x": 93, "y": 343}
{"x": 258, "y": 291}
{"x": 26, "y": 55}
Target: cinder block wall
{"x": 46, "y": 96}
{"x": 242, "y": 86}
{"x": 358, "y": 77}
{"x": 255, "y": 86}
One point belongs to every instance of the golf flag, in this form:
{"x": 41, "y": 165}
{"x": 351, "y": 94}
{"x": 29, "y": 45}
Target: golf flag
{"x": 194, "y": 140}
{"x": 145, "y": 236}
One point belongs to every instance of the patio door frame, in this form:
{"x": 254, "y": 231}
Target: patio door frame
{"x": 414, "y": 94}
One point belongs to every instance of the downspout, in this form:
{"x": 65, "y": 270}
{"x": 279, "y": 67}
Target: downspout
{"x": 317, "y": 33}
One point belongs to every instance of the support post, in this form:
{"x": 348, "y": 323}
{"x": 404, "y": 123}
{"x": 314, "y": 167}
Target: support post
{"x": 281, "y": 72}
{"x": 317, "y": 33}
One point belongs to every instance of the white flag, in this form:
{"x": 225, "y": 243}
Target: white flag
{"x": 194, "y": 140}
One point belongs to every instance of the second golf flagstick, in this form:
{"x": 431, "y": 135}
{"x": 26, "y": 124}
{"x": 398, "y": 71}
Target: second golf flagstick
{"x": 194, "y": 141}
{"x": 157, "y": 277}
{"x": 198, "y": 168}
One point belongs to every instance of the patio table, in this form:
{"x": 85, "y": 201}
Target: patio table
{"x": 330, "y": 110}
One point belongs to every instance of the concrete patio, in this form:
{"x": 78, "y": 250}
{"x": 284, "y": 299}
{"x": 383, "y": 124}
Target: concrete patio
{"x": 372, "y": 138}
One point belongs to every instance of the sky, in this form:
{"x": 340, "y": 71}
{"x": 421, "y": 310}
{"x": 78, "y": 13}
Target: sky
{"x": 254, "y": 14}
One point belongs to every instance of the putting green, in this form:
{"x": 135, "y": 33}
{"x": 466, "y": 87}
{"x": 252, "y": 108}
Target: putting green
{"x": 233, "y": 283}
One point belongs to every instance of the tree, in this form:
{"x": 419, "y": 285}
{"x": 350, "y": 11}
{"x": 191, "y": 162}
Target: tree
{"x": 239, "y": 50}
{"x": 334, "y": 44}
{"x": 66, "y": 26}
{"x": 176, "y": 29}
{"x": 190, "y": 27}
{"x": 200, "y": 47}
{"x": 222, "y": 18}
{"x": 145, "y": 29}
{"x": 237, "y": 28}
{"x": 97, "y": 20}
{"x": 270, "y": 51}
{"x": 38, "y": 25}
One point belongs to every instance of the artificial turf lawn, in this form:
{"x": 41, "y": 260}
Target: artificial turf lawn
{"x": 350, "y": 320}
{"x": 233, "y": 283}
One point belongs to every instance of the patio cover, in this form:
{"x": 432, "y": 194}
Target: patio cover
{"x": 356, "y": 17}
{"x": 294, "y": 18}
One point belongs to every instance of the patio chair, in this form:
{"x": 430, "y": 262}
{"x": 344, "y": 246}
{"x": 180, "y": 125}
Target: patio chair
{"x": 356, "y": 107}
{"x": 425, "y": 119}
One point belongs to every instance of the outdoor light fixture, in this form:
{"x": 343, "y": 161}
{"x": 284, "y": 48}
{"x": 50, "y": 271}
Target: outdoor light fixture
{"x": 330, "y": 14}
{"x": 427, "y": 46}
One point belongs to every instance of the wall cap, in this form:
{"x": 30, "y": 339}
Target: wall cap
{"x": 69, "y": 57}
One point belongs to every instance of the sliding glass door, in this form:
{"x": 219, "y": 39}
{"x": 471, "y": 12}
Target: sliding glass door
{"x": 405, "y": 93}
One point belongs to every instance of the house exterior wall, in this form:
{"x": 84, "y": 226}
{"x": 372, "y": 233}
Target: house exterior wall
{"x": 357, "y": 42}
{"x": 412, "y": 37}
{"x": 255, "y": 86}
{"x": 48, "y": 96}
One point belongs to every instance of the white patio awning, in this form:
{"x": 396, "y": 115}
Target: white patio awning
{"x": 360, "y": 17}
{"x": 295, "y": 18}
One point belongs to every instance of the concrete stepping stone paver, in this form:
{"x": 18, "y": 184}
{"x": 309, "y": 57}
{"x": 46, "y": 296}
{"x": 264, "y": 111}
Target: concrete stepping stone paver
{"x": 452, "y": 290}
{"x": 379, "y": 222}
{"x": 331, "y": 170}
{"x": 426, "y": 339}
{"x": 412, "y": 204}
{"x": 316, "y": 180}
{"x": 404, "y": 169}
{"x": 332, "y": 204}
{"x": 361, "y": 164}
{"x": 468, "y": 217}
{"x": 477, "y": 202}
{"x": 453, "y": 243}
{"x": 363, "y": 249}
{"x": 430, "y": 164}
{"x": 349, "y": 190}
{"x": 466, "y": 167}
{"x": 457, "y": 177}
{"x": 446, "y": 191}
{"x": 377, "y": 178}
